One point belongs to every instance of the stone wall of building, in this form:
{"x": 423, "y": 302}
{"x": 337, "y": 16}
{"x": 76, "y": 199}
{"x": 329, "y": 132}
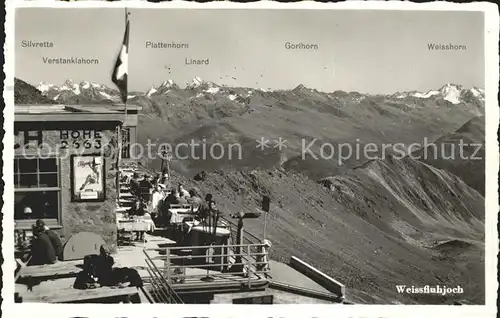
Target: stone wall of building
{"x": 65, "y": 140}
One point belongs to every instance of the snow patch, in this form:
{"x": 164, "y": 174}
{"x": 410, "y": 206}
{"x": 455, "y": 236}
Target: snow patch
{"x": 477, "y": 92}
{"x": 44, "y": 87}
{"x": 76, "y": 89}
{"x": 167, "y": 84}
{"x": 213, "y": 90}
{"x": 196, "y": 82}
{"x": 451, "y": 93}
{"x": 151, "y": 91}
{"x": 105, "y": 95}
{"x": 232, "y": 97}
{"x": 85, "y": 85}
{"x": 425, "y": 95}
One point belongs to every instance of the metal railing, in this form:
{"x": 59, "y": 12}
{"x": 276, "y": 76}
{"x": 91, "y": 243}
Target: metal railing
{"x": 161, "y": 291}
{"x": 241, "y": 264}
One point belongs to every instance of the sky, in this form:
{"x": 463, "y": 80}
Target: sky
{"x": 365, "y": 51}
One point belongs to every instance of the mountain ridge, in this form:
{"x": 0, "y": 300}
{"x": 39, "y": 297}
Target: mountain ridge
{"x": 450, "y": 92}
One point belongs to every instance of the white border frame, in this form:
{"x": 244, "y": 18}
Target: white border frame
{"x": 491, "y": 37}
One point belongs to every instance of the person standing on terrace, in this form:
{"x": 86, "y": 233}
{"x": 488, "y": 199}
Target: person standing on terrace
{"x": 157, "y": 196}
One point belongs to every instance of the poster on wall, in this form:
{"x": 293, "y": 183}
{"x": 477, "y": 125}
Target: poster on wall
{"x": 87, "y": 174}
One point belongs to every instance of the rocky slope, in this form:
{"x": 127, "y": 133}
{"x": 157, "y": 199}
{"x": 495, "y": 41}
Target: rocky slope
{"x": 24, "y": 93}
{"x": 386, "y": 223}
{"x": 461, "y": 153}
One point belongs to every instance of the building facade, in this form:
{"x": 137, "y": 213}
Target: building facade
{"x": 66, "y": 165}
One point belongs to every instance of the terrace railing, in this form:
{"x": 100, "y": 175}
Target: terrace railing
{"x": 160, "y": 291}
{"x": 227, "y": 264}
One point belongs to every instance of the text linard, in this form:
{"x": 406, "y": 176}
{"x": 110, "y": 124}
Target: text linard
{"x": 166, "y": 45}
{"x": 189, "y": 61}
{"x": 36, "y": 44}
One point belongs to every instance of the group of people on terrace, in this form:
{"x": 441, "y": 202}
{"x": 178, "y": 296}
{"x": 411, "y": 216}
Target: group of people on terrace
{"x": 156, "y": 196}
{"x": 45, "y": 245}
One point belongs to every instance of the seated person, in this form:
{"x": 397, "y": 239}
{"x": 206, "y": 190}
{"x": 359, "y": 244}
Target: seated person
{"x": 145, "y": 186}
{"x": 137, "y": 209}
{"x": 104, "y": 267}
{"x": 124, "y": 179}
{"x": 87, "y": 278}
{"x": 98, "y": 271}
{"x": 182, "y": 192}
{"x": 194, "y": 199}
{"x": 182, "y": 199}
{"x": 172, "y": 197}
{"x": 208, "y": 212}
{"x": 207, "y": 208}
{"x": 55, "y": 240}
{"x": 126, "y": 277}
{"x": 134, "y": 185}
{"x": 164, "y": 213}
{"x": 42, "y": 251}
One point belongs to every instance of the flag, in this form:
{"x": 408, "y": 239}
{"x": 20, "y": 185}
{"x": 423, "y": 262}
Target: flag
{"x": 120, "y": 71}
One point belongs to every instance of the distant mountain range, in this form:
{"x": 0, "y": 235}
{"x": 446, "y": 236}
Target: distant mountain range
{"x": 79, "y": 93}
{"x": 70, "y": 92}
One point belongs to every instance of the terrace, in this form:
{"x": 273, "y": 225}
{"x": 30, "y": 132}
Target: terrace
{"x": 187, "y": 262}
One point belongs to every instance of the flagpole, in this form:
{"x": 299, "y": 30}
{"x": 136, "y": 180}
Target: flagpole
{"x": 126, "y": 97}
{"x": 120, "y": 128}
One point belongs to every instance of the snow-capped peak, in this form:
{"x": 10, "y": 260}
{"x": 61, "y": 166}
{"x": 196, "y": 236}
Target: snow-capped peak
{"x": 151, "y": 91}
{"x": 167, "y": 84}
{"x": 477, "y": 92}
{"x": 195, "y": 82}
{"x": 70, "y": 85}
{"x": 451, "y": 93}
{"x": 299, "y": 87}
{"x": 85, "y": 84}
{"x": 44, "y": 87}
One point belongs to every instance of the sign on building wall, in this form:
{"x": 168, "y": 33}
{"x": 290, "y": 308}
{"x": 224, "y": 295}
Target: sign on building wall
{"x": 86, "y": 139}
{"x": 87, "y": 178}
